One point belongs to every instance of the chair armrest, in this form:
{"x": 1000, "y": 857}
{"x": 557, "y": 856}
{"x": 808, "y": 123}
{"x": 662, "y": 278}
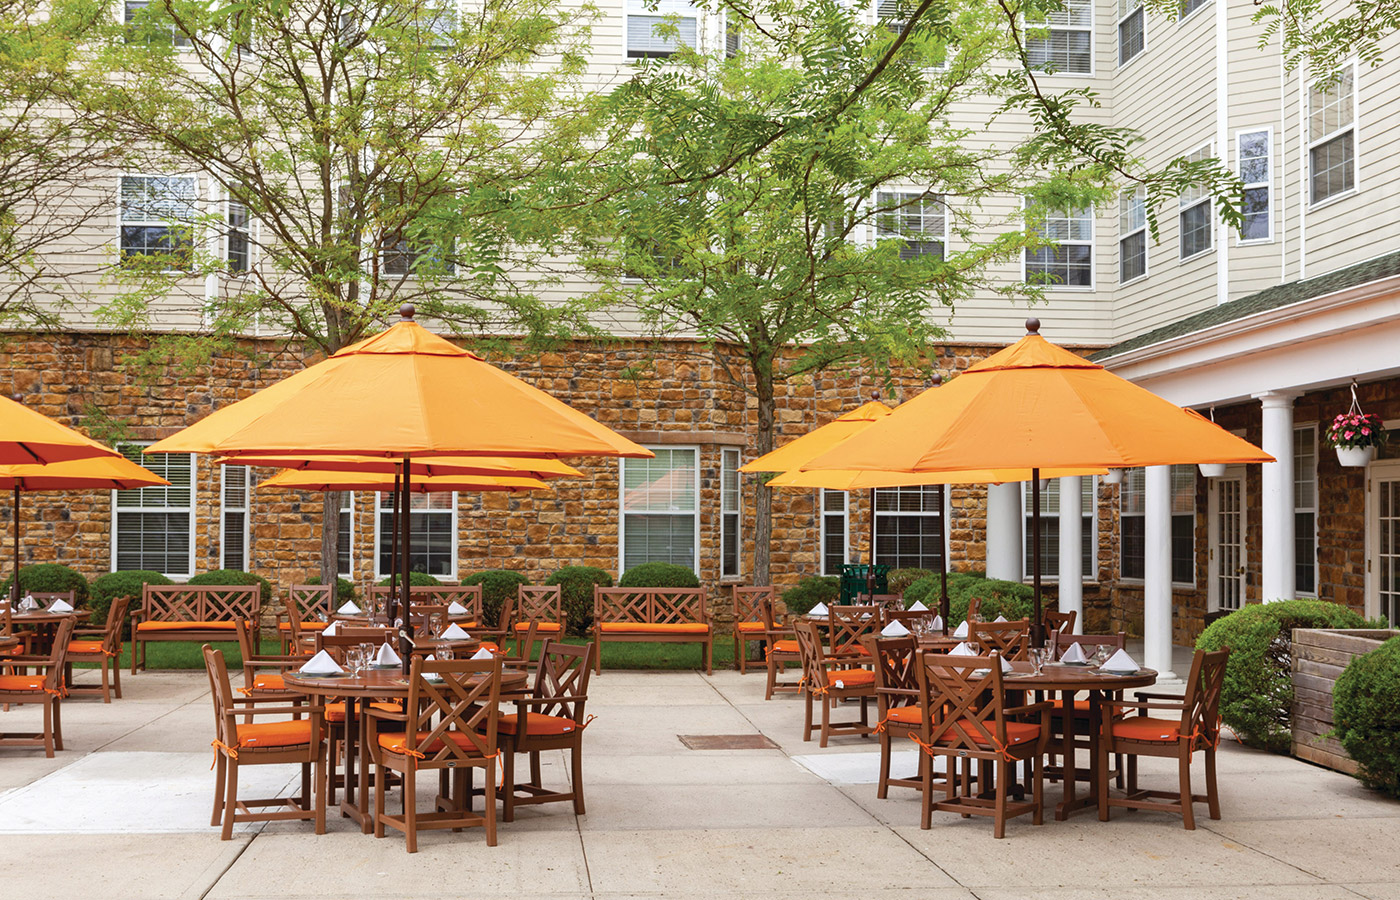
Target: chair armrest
{"x": 273, "y": 662}
{"x": 372, "y": 713}
{"x": 100, "y": 632}
{"x": 277, "y": 710}
{"x": 1149, "y": 695}
{"x": 901, "y": 692}
{"x": 1029, "y": 708}
{"x": 543, "y": 701}
{"x": 1132, "y": 704}
{"x": 32, "y": 662}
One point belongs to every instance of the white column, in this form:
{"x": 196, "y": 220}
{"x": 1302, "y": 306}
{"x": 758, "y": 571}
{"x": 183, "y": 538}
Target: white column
{"x": 1071, "y": 587}
{"x": 1157, "y": 573}
{"x": 1276, "y": 549}
{"x": 1004, "y": 520}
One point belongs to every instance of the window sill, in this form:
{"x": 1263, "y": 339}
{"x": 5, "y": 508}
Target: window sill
{"x": 1069, "y": 288}
{"x": 1139, "y": 583}
{"x": 1253, "y": 242}
{"x": 1192, "y": 13}
{"x": 1197, "y": 255}
{"x": 1132, "y": 281}
{"x": 1336, "y": 198}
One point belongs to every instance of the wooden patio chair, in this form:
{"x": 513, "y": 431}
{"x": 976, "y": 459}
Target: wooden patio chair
{"x": 287, "y": 741}
{"x": 847, "y": 625}
{"x": 748, "y": 620}
{"x": 897, "y": 703}
{"x": 1197, "y": 727}
{"x": 537, "y": 611}
{"x": 1009, "y": 639}
{"x": 305, "y": 609}
{"x": 965, "y": 717}
{"x": 550, "y": 718}
{"x": 832, "y": 680}
{"x": 262, "y": 674}
{"x": 974, "y": 608}
{"x": 1089, "y": 643}
{"x": 448, "y": 724}
{"x": 782, "y": 649}
{"x": 1059, "y": 622}
{"x": 45, "y": 687}
{"x": 101, "y": 647}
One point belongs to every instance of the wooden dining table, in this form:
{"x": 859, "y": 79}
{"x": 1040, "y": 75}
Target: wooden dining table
{"x": 355, "y": 690}
{"x": 44, "y": 623}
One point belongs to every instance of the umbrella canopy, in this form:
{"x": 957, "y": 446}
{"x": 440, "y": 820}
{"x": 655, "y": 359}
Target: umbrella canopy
{"x": 861, "y": 479}
{"x": 115, "y": 473}
{"x": 288, "y": 479}
{"x": 32, "y": 438}
{"x": 433, "y": 466}
{"x": 799, "y": 451}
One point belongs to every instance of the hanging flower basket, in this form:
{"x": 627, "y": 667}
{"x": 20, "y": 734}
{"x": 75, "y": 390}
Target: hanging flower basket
{"x": 1356, "y": 434}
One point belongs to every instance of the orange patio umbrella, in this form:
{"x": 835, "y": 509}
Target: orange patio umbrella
{"x": 28, "y": 437}
{"x": 1036, "y": 405}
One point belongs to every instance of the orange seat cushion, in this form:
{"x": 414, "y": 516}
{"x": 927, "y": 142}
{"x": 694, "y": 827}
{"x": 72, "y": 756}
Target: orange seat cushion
{"x": 851, "y": 678}
{"x": 304, "y": 626}
{"x": 786, "y": 647}
{"x": 543, "y": 626}
{"x": 1016, "y": 733}
{"x": 185, "y": 626}
{"x": 395, "y": 742}
{"x": 274, "y": 734}
{"x": 84, "y": 646}
{"x": 1146, "y": 728}
{"x": 648, "y": 628}
{"x": 538, "y": 723}
{"x": 335, "y": 712}
{"x": 21, "y": 682}
{"x": 906, "y": 715}
{"x": 748, "y": 626}
{"x": 268, "y": 683}
{"x": 855, "y": 648}
{"x": 491, "y": 645}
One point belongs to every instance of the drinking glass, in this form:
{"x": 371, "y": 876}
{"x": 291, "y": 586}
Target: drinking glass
{"x": 367, "y": 652}
{"x": 354, "y": 659}
{"x": 445, "y": 654}
{"x": 1037, "y": 659}
{"x": 1101, "y": 655}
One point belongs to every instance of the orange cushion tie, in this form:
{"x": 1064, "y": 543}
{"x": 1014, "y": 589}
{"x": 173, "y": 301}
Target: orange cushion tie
{"x": 220, "y": 745}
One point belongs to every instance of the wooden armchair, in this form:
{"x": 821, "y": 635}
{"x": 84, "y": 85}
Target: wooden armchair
{"x": 748, "y": 620}
{"x": 1081, "y": 710}
{"x": 1196, "y": 727}
{"x": 262, "y": 674}
{"x": 1009, "y": 639}
{"x": 45, "y": 687}
{"x": 897, "y": 704}
{"x": 782, "y": 649}
{"x": 551, "y": 718}
{"x": 965, "y": 717}
{"x": 102, "y": 647}
{"x": 306, "y": 609}
{"x": 832, "y": 679}
{"x": 1059, "y": 622}
{"x": 296, "y": 741}
{"x": 846, "y": 626}
{"x": 449, "y": 724}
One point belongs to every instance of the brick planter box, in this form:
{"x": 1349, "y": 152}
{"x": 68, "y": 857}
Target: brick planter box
{"x": 1320, "y": 655}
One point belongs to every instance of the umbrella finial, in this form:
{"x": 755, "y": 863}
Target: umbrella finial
{"x": 875, "y": 395}
{"x": 406, "y": 312}
{"x": 935, "y": 379}
{"x": 1032, "y": 326}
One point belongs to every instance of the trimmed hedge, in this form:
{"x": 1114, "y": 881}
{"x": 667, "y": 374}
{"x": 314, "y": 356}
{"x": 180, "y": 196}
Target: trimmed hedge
{"x": 810, "y": 591}
{"x": 576, "y": 592}
{"x": 1367, "y": 715}
{"x": 345, "y": 590}
{"x": 415, "y": 579}
{"x": 899, "y": 580}
{"x": 658, "y": 575}
{"x": 44, "y": 577}
{"x": 498, "y": 587}
{"x": 1257, "y": 699}
{"x": 235, "y": 576}
{"x": 999, "y": 598}
{"x": 106, "y": 588}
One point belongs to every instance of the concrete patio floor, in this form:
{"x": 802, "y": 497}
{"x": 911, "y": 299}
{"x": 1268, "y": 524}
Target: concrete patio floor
{"x": 123, "y": 813}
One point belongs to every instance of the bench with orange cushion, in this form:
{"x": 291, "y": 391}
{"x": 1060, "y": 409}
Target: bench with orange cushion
{"x": 669, "y": 615}
{"x": 180, "y": 612}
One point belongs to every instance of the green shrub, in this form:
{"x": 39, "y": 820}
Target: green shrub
{"x": 498, "y": 587}
{"x": 106, "y": 588}
{"x": 46, "y": 577}
{"x": 234, "y": 576}
{"x": 810, "y": 591}
{"x": 1257, "y": 699}
{"x": 344, "y": 589}
{"x": 576, "y": 592}
{"x": 658, "y": 575}
{"x": 999, "y": 598}
{"x": 1368, "y": 716}
{"x": 415, "y": 579}
{"x": 900, "y": 579}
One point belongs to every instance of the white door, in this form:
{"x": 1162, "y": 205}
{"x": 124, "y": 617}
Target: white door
{"x": 1227, "y": 540}
{"x": 1383, "y": 542}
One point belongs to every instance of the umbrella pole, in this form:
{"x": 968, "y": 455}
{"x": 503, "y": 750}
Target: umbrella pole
{"x": 1037, "y": 628}
{"x": 391, "y": 605}
{"x": 406, "y": 583}
{"x": 944, "y": 609}
{"x": 870, "y": 570}
{"x": 15, "y": 586}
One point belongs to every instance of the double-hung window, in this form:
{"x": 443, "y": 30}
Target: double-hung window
{"x": 653, "y": 33}
{"x": 729, "y": 509}
{"x": 1064, "y": 43}
{"x": 238, "y": 237}
{"x": 1050, "y": 529}
{"x": 157, "y": 219}
{"x": 1132, "y": 36}
{"x": 1305, "y": 510}
{"x": 907, "y": 521}
{"x": 1332, "y": 136}
{"x": 920, "y": 218}
{"x": 1190, "y": 6}
{"x": 153, "y": 527}
{"x": 1253, "y": 149}
{"x": 345, "y": 536}
{"x": 836, "y": 535}
{"x": 1195, "y": 213}
{"x": 236, "y": 486}
{"x": 660, "y": 508}
{"x": 432, "y": 528}
{"x": 1068, "y": 260}
{"x": 1132, "y": 234}
{"x": 1132, "y": 519}
{"x": 148, "y": 23}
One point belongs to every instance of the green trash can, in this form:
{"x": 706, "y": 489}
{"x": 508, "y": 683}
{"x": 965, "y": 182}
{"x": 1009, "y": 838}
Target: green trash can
{"x": 853, "y": 580}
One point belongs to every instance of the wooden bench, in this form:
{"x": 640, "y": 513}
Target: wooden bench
{"x": 662, "y": 615}
{"x": 468, "y": 596}
{"x": 179, "y": 612}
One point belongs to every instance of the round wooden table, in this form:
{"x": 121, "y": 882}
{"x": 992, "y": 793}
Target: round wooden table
{"x": 356, "y": 690}
{"x": 45, "y": 623}
{"x": 8, "y": 642}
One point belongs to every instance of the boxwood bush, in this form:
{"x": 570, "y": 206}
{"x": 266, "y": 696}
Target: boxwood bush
{"x": 498, "y": 587}
{"x": 1257, "y": 698}
{"x": 658, "y": 575}
{"x": 999, "y": 598}
{"x": 345, "y": 590}
{"x": 235, "y": 576}
{"x": 106, "y": 588}
{"x": 1367, "y": 715}
{"x": 415, "y": 579}
{"x": 45, "y": 577}
{"x": 900, "y": 579}
{"x": 810, "y": 591}
{"x": 576, "y": 593}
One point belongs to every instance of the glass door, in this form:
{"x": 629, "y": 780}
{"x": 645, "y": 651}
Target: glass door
{"x": 1228, "y": 550}
{"x": 1384, "y": 562}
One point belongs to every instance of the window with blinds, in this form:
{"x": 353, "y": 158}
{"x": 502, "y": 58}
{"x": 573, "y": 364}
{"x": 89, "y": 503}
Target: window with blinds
{"x": 906, "y": 528}
{"x": 153, "y": 527}
{"x": 920, "y": 218}
{"x": 836, "y": 535}
{"x": 1132, "y": 509}
{"x": 432, "y": 528}
{"x": 234, "y": 534}
{"x": 1064, "y": 42}
{"x": 660, "y": 508}
{"x": 658, "y": 32}
{"x": 345, "y": 535}
{"x": 1050, "y": 529}
{"x": 729, "y": 507}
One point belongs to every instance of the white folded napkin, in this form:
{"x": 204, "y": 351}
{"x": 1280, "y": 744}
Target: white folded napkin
{"x": 960, "y": 631}
{"x": 454, "y": 632}
{"x": 28, "y": 602}
{"x": 456, "y": 609}
{"x": 321, "y": 664}
{"x": 386, "y": 656}
{"x": 1119, "y": 662}
{"x": 937, "y": 623}
{"x": 483, "y": 653}
{"x": 331, "y": 628}
{"x": 1005, "y": 665}
{"x": 999, "y": 619}
{"x": 60, "y": 606}
{"x": 431, "y": 676}
{"x": 819, "y": 610}
{"x": 895, "y": 629}
{"x": 961, "y": 650}
{"x": 349, "y": 609}
{"x": 1075, "y": 654}
{"x": 918, "y": 607}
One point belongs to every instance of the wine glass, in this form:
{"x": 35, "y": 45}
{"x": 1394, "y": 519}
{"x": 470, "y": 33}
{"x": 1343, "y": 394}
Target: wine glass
{"x": 444, "y": 654}
{"x": 1037, "y": 659}
{"x": 354, "y": 659}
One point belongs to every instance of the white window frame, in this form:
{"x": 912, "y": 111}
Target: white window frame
{"x": 177, "y": 41}
{"x": 664, "y": 8}
{"x": 896, "y": 201}
{"x": 194, "y": 212}
{"x": 1050, "y": 27}
{"x": 1188, "y": 14}
{"x": 1313, "y": 143}
{"x": 230, "y": 230}
{"x": 1139, "y": 195}
{"x": 622, "y": 511}
{"x": 347, "y": 507}
{"x": 1136, "y": 9}
{"x": 1089, "y": 509}
{"x": 1069, "y": 216}
{"x": 1191, "y": 199}
{"x": 887, "y": 515}
{"x": 1267, "y": 184}
{"x": 1298, "y": 507}
{"x": 225, "y": 509}
{"x": 730, "y": 459}
{"x": 116, "y": 510}
{"x": 1178, "y": 472}
{"x": 845, "y": 513}
{"x": 379, "y": 509}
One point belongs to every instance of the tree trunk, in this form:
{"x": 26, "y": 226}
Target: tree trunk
{"x": 763, "y": 496}
{"x": 330, "y": 540}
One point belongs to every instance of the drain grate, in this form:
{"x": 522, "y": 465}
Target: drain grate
{"x": 727, "y": 742}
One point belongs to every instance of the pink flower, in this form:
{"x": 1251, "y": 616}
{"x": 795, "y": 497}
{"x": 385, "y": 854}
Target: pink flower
{"x": 1349, "y": 435}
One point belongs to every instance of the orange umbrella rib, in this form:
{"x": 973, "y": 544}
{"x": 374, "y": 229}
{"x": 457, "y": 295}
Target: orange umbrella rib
{"x": 426, "y": 465}
{"x": 383, "y": 481}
